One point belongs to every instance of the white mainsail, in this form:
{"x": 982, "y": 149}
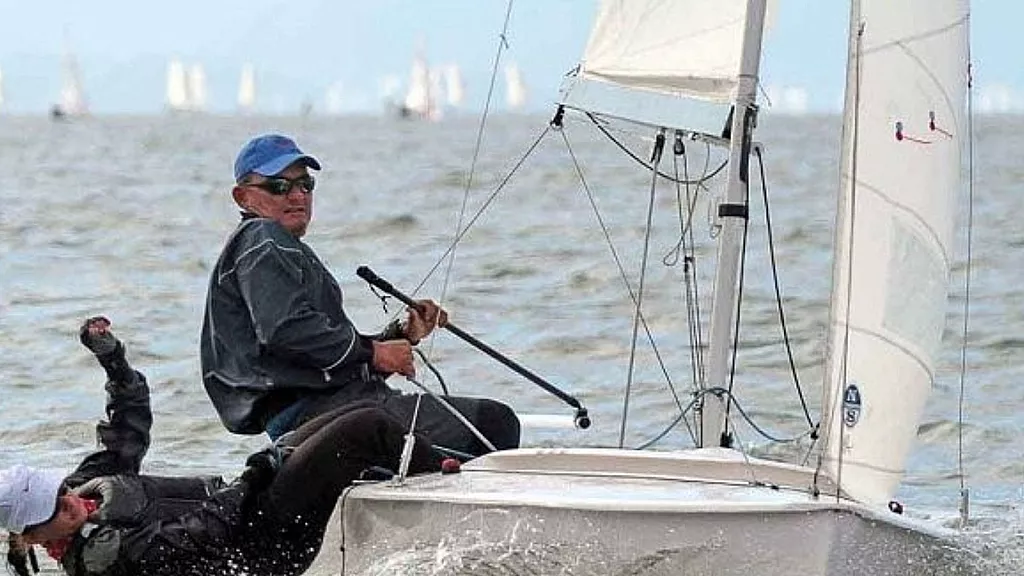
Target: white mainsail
{"x": 454, "y": 88}
{"x": 644, "y": 58}
{"x": 684, "y": 47}
{"x": 437, "y": 94}
{"x": 334, "y": 98}
{"x": 177, "y": 86}
{"x": 1, "y": 90}
{"x": 247, "y": 88}
{"x": 515, "y": 88}
{"x": 196, "y": 88}
{"x": 72, "y": 98}
{"x": 418, "y": 99}
{"x": 904, "y": 124}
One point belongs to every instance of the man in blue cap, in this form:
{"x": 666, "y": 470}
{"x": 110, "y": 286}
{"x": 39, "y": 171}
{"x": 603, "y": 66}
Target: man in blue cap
{"x": 277, "y": 348}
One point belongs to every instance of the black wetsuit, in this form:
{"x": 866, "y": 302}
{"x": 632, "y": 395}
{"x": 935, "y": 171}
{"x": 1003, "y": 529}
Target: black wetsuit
{"x": 277, "y": 348}
{"x": 267, "y": 524}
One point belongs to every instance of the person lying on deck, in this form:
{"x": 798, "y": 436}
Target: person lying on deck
{"x": 107, "y": 519}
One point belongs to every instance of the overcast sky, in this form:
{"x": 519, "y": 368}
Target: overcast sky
{"x": 300, "y": 48}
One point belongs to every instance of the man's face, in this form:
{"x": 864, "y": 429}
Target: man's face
{"x": 71, "y": 515}
{"x": 292, "y": 210}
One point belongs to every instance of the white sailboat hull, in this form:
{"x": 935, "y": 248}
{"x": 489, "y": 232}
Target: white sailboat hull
{"x": 604, "y": 511}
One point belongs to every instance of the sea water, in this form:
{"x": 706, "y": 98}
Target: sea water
{"x": 125, "y": 216}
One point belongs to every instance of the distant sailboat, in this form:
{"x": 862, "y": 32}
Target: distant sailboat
{"x": 454, "y": 88}
{"x": 334, "y": 99}
{"x": 419, "y": 98}
{"x": 389, "y": 89}
{"x": 515, "y": 88}
{"x": 72, "y": 98}
{"x": 177, "y": 87}
{"x": 438, "y": 92}
{"x": 197, "y": 88}
{"x": 247, "y": 89}
{"x": 788, "y": 100}
{"x": 1, "y": 91}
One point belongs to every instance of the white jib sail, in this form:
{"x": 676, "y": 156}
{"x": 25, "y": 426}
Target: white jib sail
{"x": 901, "y": 178}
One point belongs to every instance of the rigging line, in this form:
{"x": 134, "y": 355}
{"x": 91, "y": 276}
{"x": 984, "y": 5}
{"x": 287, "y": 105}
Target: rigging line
{"x": 967, "y": 282}
{"x": 739, "y": 408}
{"x": 739, "y": 303}
{"x": 502, "y": 44}
{"x": 440, "y": 380}
{"x": 844, "y": 357}
{"x": 681, "y": 417}
{"x": 454, "y": 412}
{"x": 672, "y": 257}
{"x": 767, "y": 436}
{"x": 778, "y": 291}
{"x": 694, "y": 335}
{"x": 407, "y": 448}
{"x": 659, "y": 145}
{"x": 689, "y": 263}
{"x": 693, "y": 257}
{"x": 480, "y": 211}
{"x": 645, "y": 164}
{"x": 622, "y": 270}
{"x": 743, "y": 452}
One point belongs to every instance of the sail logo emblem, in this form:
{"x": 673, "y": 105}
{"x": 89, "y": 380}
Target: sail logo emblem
{"x": 851, "y": 405}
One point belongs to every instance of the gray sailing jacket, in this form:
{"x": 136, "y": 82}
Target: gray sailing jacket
{"x": 148, "y": 518}
{"x": 275, "y": 331}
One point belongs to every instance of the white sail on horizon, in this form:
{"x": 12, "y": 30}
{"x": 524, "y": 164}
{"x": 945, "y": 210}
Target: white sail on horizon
{"x": 177, "y": 86}
{"x": 515, "y": 88}
{"x": 454, "y": 88}
{"x": 437, "y": 93}
{"x": 419, "y": 100}
{"x": 792, "y": 100}
{"x": 334, "y": 98}
{"x": 1, "y": 90}
{"x": 904, "y": 128}
{"x": 72, "y": 97}
{"x": 196, "y": 87}
{"x": 247, "y": 88}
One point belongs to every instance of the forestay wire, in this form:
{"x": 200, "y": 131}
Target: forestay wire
{"x": 450, "y": 253}
{"x": 483, "y": 208}
{"x": 964, "y": 498}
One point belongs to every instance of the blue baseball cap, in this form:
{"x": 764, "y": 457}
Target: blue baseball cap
{"x": 268, "y": 155}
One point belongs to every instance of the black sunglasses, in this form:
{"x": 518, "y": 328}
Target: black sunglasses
{"x": 278, "y": 186}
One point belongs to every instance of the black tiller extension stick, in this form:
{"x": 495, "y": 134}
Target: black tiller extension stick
{"x": 581, "y": 419}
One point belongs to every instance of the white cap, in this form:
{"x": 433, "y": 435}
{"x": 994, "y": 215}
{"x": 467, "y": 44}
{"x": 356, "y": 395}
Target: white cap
{"x": 28, "y": 496}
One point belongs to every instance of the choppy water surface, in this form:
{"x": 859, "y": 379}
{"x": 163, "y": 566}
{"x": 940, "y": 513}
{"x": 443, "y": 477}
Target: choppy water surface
{"x": 125, "y": 217}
